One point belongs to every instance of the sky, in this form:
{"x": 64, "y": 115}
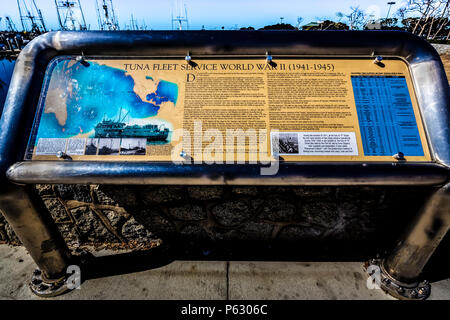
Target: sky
{"x": 212, "y": 14}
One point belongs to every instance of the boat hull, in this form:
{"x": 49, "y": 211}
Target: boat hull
{"x": 149, "y": 135}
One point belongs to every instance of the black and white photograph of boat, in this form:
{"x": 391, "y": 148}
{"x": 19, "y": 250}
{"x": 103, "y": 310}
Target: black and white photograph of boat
{"x": 153, "y": 132}
{"x": 287, "y": 142}
{"x": 76, "y": 146}
{"x": 91, "y": 147}
{"x": 108, "y": 146}
{"x": 130, "y": 146}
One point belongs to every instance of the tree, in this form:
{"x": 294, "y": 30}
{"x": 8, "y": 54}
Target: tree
{"x": 299, "y": 22}
{"x": 279, "y": 26}
{"x": 427, "y": 18}
{"x": 327, "y": 25}
{"x": 389, "y": 24}
{"x": 356, "y": 19}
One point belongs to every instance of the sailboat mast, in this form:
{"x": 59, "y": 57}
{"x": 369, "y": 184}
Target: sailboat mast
{"x": 122, "y": 119}
{"x": 120, "y": 113}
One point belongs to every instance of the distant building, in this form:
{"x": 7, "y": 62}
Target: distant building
{"x": 373, "y": 25}
{"x": 311, "y": 26}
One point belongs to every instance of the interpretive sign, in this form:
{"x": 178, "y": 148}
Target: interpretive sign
{"x": 228, "y": 109}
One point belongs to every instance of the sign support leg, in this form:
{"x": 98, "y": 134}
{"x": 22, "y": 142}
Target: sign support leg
{"x": 40, "y": 236}
{"x": 400, "y": 271}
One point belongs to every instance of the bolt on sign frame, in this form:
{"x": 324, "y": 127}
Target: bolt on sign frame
{"x": 21, "y": 165}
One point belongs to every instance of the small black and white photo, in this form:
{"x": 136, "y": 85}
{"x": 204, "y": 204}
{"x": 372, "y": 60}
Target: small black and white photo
{"x": 132, "y": 146}
{"x": 108, "y": 147}
{"x": 91, "y": 147}
{"x": 76, "y": 146}
{"x": 287, "y": 143}
{"x": 51, "y": 146}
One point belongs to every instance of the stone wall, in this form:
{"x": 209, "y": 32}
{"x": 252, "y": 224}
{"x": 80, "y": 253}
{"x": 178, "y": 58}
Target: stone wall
{"x": 207, "y": 219}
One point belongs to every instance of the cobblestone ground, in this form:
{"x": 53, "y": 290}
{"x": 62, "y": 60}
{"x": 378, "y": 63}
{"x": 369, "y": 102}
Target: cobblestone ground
{"x": 201, "y": 219}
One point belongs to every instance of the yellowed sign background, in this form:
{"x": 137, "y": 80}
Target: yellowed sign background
{"x": 289, "y": 96}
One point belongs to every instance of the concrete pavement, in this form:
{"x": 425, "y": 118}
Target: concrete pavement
{"x": 203, "y": 280}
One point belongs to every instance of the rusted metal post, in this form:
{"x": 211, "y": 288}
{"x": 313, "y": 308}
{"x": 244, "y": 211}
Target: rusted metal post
{"x": 400, "y": 271}
{"x": 40, "y": 237}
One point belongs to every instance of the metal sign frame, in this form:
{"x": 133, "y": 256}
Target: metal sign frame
{"x": 426, "y": 70}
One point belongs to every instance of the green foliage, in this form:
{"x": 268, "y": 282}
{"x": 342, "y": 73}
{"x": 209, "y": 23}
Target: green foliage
{"x": 327, "y": 25}
{"x": 279, "y": 26}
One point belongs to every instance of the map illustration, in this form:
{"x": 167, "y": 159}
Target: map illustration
{"x": 92, "y": 100}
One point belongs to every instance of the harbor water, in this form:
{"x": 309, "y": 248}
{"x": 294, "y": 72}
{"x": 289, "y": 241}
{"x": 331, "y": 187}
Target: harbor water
{"x": 6, "y": 70}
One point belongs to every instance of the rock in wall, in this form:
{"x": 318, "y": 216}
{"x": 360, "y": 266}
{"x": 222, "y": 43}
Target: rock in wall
{"x": 201, "y": 218}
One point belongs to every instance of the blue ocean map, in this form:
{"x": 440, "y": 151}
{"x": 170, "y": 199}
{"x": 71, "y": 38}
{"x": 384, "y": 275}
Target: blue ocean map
{"x": 78, "y": 96}
{"x": 386, "y": 116}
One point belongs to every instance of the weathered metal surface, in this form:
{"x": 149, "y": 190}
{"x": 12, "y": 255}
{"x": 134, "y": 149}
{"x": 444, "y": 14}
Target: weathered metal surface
{"x": 426, "y": 70}
{"x": 431, "y": 88}
{"x": 414, "y": 250}
{"x": 168, "y": 173}
{"x": 35, "y": 230}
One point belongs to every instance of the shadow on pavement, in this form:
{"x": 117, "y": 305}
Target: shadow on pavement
{"x": 105, "y": 266}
